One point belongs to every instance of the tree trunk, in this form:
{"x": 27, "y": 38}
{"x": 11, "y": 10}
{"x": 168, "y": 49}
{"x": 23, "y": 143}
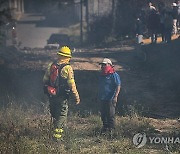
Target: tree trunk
{"x": 113, "y": 14}
{"x": 87, "y": 15}
{"x": 81, "y": 23}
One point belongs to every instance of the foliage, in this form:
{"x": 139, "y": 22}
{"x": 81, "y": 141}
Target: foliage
{"x": 100, "y": 29}
{"x": 5, "y": 17}
{"x": 128, "y": 11}
{"x": 4, "y": 12}
{"x": 125, "y": 14}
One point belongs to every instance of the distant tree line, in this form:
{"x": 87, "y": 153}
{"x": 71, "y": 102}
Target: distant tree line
{"x": 5, "y": 17}
{"x": 4, "y": 12}
{"x": 121, "y": 22}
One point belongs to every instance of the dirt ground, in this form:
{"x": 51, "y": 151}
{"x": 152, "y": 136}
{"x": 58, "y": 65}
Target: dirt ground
{"x": 146, "y": 87}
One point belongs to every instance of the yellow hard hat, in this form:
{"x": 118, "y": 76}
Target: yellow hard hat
{"x": 65, "y": 51}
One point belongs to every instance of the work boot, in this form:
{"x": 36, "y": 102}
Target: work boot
{"x": 58, "y": 134}
{"x": 103, "y": 130}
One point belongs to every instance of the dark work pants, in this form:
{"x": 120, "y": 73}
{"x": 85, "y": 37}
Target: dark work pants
{"x": 168, "y": 34}
{"x": 108, "y": 114}
{"x": 59, "y": 111}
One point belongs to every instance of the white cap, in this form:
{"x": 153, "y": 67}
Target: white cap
{"x": 174, "y": 4}
{"x": 152, "y": 8}
{"x": 106, "y": 61}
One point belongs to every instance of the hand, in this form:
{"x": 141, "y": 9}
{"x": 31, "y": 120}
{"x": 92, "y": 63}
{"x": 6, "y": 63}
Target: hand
{"x": 115, "y": 99}
{"x": 114, "y": 104}
{"x": 77, "y": 101}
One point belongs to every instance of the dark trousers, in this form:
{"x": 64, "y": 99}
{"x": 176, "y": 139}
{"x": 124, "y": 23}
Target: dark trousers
{"x": 108, "y": 114}
{"x": 168, "y": 32}
{"x": 153, "y": 37}
{"x": 59, "y": 110}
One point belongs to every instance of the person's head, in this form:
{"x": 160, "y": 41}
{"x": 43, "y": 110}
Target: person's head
{"x": 138, "y": 20}
{"x": 64, "y": 54}
{"x": 174, "y": 4}
{"x": 151, "y": 7}
{"x": 150, "y": 4}
{"x": 106, "y": 66}
{"x": 106, "y": 62}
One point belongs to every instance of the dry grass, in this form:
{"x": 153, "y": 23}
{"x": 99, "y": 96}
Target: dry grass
{"x": 23, "y": 131}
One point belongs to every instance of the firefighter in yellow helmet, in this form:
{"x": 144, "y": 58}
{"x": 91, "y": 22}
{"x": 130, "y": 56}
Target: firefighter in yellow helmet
{"x": 58, "y": 84}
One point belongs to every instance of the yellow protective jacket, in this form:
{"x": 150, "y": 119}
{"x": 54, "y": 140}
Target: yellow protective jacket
{"x": 68, "y": 74}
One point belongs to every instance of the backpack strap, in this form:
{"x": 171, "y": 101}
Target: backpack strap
{"x": 59, "y": 83}
{"x": 60, "y": 66}
{"x": 63, "y": 82}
